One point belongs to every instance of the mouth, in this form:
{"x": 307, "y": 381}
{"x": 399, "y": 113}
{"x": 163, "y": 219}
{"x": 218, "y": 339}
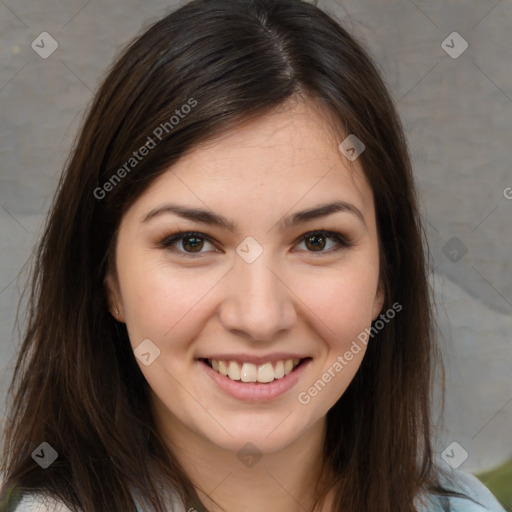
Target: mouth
{"x": 264, "y": 373}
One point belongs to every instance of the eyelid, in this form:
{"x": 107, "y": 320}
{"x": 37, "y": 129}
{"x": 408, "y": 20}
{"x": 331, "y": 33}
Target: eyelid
{"x": 342, "y": 243}
{"x": 168, "y": 241}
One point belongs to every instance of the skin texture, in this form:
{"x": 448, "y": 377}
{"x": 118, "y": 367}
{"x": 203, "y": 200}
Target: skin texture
{"x": 290, "y": 299}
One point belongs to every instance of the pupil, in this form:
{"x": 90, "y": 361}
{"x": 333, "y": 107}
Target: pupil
{"x": 196, "y": 243}
{"x": 316, "y": 245}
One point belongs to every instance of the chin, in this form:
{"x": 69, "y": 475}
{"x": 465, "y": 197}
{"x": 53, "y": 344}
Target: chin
{"x": 266, "y": 434}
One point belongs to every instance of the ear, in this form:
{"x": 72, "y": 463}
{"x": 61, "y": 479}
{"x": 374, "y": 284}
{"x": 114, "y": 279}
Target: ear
{"x": 113, "y": 297}
{"x": 378, "y": 301}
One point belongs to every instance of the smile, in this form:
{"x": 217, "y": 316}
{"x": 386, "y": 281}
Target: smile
{"x": 249, "y": 372}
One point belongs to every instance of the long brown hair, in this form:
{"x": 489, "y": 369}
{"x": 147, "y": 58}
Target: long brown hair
{"x": 76, "y": 383}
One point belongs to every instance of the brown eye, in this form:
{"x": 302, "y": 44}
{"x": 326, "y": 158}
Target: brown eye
{"x": 194, "y": 242}
{"x": 186, "y": 243}
{"x": 315, "y": 242}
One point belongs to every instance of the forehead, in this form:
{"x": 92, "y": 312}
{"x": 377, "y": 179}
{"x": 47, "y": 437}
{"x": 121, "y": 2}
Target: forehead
{"x": 275, "y": 162}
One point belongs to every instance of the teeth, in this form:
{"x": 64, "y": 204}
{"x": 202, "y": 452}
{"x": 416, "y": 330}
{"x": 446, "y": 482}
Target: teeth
{"x": 279, "y": 370}
{"x": 265, "y": 372}
{"x": 248, "y": 372}
{"x": 223, "y": 369}
{"x": 233, "y": 370}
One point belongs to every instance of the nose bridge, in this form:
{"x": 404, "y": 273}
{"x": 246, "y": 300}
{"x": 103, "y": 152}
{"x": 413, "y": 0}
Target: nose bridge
{"x": 257, "y": 301}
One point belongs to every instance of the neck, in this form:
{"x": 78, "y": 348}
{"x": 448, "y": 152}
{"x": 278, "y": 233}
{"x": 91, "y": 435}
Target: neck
{"x": 284, "y": 480}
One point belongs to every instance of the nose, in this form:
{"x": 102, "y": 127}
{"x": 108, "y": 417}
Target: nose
{"x": 257, "y": 302}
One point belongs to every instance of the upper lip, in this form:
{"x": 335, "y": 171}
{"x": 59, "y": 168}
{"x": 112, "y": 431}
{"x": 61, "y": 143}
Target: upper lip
{"x": 248, "y": 358}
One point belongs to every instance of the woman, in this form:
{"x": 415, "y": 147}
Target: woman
{"x": 230, "y": 305}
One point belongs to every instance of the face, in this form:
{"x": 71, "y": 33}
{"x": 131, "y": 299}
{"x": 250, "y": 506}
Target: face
{"x": 256, "y": 289}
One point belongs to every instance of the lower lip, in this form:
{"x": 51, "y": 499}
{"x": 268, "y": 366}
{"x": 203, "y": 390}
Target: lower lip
{"x": 256, "y": 391}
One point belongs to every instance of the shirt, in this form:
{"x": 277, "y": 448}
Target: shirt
{"x": 465, "y": 482}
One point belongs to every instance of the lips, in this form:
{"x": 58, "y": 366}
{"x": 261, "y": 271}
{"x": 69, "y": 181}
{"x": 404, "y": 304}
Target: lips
{"x": 254, "y": 391}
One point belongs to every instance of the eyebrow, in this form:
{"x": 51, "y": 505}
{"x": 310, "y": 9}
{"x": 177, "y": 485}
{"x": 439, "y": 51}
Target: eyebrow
{"x": 214, "y": 219}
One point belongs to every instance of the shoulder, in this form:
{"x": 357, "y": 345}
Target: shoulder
{"x": 35, "y": 502}
{"x": 479, "y": 498}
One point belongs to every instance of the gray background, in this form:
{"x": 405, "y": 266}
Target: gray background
{"x": 457, "y": 113}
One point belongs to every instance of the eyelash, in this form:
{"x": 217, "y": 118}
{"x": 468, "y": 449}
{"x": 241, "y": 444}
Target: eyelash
{"x": 170, "y": 240}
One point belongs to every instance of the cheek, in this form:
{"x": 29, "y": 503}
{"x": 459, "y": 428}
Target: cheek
{"x": 341, "y": 299}
{"x": 164, "y": 302}
{"x": 343, "y": 305}
{"x": 158, "y": 299}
